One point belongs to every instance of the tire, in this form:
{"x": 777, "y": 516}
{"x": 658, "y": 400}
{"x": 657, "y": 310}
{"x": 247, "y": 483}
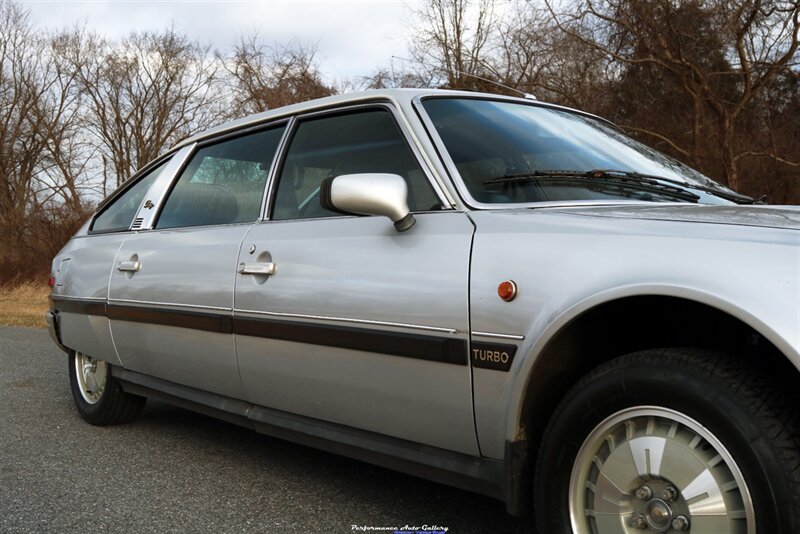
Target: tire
{"x": 669, "y": 435}
{"x": 98, "y": 396}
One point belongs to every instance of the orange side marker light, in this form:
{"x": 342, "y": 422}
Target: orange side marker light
{"x": 507, "y": 290}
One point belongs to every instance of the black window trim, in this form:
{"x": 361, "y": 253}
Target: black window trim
{"x": 273, "y": 180}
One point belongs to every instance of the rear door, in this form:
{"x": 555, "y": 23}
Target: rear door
{"x": 171, "y": 290}
{"x": 83, "y": 267}
{"x": 358, "y": 325}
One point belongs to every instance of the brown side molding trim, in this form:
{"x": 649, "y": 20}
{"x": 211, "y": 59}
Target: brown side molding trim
{"x": 85, "y": 307}
{"x": 208, "y": 322}
{"x": 418, "y": 346}
{"x": 497, "y": 356}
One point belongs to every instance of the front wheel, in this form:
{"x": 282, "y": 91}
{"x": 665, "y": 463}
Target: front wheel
{"x": 674, "y": 440}
{"x": 98, "y": 396}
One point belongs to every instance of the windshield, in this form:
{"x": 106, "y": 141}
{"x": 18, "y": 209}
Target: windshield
{"x": 494, "y": 143}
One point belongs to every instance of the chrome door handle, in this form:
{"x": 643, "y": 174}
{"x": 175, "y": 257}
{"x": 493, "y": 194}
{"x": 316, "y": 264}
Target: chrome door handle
{"x": 129, "y": 266}
{"x": 257, "y": 267}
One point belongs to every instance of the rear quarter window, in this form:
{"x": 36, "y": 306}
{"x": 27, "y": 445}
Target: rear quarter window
{"x": 119, "y": 214}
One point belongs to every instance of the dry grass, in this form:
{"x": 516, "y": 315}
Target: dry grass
{"x": 23, "y": 304}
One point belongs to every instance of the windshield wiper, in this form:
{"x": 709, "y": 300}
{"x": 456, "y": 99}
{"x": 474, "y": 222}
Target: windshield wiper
{"x": 727, "y": 195}
{"x": 640, "y": 182}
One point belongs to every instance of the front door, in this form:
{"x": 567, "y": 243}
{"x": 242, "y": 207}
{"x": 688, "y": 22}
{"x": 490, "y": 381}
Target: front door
{"x": 344, "y": 319}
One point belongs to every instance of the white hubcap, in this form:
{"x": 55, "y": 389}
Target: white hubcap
{"x": 652, "y": 469}
{"x": 91, "y": 376}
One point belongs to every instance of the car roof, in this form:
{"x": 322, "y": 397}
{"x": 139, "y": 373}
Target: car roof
{"x": 402, "y": 96}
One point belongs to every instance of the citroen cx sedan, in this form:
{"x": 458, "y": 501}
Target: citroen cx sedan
{"x": 495, "y": 293}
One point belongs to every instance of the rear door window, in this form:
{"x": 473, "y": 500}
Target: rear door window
{"x": 223, "y": 183}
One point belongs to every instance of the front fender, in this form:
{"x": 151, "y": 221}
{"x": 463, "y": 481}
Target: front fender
{"x": 565, "y": 266}
{"x": 540, "y": 340}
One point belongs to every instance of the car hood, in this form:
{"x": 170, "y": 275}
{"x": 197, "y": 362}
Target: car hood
{"x": 786, "y": 217}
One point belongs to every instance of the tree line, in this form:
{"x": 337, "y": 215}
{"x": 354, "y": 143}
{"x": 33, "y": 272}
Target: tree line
{"x": 714, "y": 83}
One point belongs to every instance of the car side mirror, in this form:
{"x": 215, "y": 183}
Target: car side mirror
{"x": 369, "y": 194}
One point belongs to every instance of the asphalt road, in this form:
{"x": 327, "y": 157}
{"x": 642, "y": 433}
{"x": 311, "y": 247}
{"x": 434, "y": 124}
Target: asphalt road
{"x": 176, "y": 471}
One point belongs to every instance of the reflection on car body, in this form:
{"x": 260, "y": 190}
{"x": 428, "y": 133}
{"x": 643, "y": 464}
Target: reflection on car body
{"x": 498, "y": 294}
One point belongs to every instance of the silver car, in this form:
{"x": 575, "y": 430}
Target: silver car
{"x": 492, "y": 292}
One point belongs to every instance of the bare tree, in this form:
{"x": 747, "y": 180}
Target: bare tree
{"x": 722, "y": 55}
{"x": 144, "y": 94}
{"x": 468, "y": 44}
{"x": 401, "y": 72}
{"x": 267, "y": 77}
{"x": 452, "y": 40}
{"x": 532, "y": 55}
{"x": 40, "y": 150}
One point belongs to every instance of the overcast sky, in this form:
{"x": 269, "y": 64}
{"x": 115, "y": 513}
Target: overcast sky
{"x": 354, "y": 38}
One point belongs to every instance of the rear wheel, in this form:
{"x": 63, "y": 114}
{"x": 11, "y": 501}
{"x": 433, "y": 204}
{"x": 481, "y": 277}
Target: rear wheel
{"x": 671, "y": 441}
{"x": 98, "y": 396}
